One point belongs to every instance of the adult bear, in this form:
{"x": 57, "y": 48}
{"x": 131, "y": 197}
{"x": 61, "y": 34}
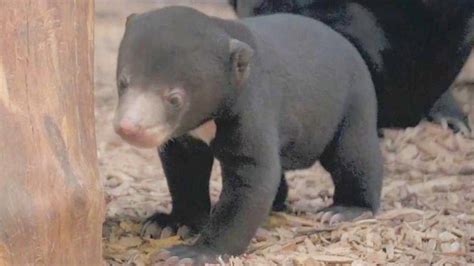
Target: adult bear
{"x": 414, "y": 49}
{"x": 275, "y": 108}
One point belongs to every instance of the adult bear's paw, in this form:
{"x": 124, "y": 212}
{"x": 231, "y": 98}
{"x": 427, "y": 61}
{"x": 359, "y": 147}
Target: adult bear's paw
{"x": 448, "y": 113}
{"x": 457, "y": 123}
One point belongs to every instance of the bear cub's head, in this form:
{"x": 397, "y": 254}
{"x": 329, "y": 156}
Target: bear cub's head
{"x": 176, "y": 68}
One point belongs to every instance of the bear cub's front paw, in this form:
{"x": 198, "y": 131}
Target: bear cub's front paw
{"x": 161, "y": 225}
{"x": 187, "y": 255}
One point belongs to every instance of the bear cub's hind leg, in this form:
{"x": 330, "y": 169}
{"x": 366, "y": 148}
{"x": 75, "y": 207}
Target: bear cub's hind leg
{"x": 355, "y": 163}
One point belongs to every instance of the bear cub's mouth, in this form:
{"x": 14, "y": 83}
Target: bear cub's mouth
{"x": 144, "y": 138}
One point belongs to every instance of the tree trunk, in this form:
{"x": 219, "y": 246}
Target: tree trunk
{"x": 51, "y": 202}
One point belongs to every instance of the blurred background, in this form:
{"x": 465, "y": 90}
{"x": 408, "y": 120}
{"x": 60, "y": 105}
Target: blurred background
{"x": 427, "y": 212}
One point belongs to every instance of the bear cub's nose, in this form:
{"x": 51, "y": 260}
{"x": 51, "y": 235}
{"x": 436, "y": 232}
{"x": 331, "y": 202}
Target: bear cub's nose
{"x": 127, "y": 128}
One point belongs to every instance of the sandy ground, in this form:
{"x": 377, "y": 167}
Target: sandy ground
{"x": 427, "y": 213}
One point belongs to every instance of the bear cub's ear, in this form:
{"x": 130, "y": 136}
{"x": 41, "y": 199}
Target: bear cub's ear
{"x": 240, "y": 55}
{"x": 129, "y": 18}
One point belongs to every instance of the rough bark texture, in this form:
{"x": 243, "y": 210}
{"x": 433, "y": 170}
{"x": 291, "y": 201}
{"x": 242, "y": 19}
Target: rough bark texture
{"x": 51, "y": 202}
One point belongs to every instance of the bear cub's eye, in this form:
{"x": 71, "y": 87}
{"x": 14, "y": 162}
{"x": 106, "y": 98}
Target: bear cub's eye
{"x": 122, "y": 85}
{"x": 175, "y": 99}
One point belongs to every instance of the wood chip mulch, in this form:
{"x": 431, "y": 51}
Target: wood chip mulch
{"x": 427, "y": 213}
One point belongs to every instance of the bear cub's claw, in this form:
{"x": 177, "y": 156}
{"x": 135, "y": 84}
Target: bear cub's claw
{"x": 336, "y": 214}
{"x": 161, "y": 225}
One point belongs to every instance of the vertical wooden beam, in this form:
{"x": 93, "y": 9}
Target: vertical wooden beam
{"x": 51, "y": 202}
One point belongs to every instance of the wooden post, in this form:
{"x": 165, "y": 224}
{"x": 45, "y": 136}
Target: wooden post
{"x": 51, "y": 202}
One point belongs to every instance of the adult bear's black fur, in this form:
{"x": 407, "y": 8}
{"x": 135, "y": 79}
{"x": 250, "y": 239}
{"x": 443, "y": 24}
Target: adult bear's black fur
{"x": 414, "y": 49}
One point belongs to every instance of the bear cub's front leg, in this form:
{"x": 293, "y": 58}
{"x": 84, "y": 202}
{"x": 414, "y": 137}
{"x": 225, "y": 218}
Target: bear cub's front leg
{"x": 187, "y": 163}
